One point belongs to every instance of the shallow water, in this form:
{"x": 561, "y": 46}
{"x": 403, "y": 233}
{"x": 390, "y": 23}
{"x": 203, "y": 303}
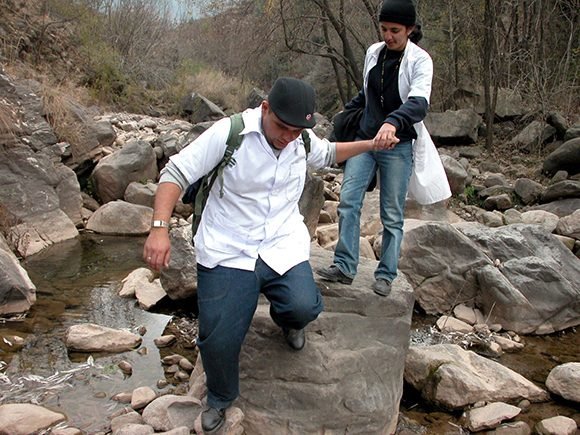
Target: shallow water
{"x": 77, "y": 282}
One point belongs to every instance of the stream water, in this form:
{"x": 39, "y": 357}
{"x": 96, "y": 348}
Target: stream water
{"x": 77, "y": 282}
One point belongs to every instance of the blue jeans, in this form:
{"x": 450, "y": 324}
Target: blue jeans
{"x": 394, "y": 173}
{"x": 227, "y": 299}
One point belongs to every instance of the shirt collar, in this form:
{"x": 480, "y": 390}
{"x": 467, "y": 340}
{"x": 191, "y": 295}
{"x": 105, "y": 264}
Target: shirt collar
{"x": 252, "y": 120}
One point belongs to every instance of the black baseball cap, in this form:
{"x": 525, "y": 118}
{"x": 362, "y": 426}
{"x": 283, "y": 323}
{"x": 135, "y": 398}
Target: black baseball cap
{"x": 293, "y": 101}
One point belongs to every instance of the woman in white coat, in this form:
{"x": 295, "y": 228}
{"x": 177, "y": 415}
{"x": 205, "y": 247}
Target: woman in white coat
{"x": 395, "y": 99}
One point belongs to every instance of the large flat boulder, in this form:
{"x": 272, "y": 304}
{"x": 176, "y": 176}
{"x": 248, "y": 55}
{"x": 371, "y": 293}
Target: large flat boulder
{"x": 41, "y": 198}
{"x": 519, "y": 275}
{"x": 349, "y": 375}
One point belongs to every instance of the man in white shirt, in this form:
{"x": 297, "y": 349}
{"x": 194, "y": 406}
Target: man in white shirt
{"x": 252, "y": 239}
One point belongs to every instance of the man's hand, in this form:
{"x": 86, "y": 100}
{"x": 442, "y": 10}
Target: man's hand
{"x": 157, "y": 248}
{"x": 157, "y": 245}
{"x": 386, "y": 138}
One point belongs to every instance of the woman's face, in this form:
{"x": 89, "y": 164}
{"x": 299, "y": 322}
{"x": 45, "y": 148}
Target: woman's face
{"x": 395, "y": 35}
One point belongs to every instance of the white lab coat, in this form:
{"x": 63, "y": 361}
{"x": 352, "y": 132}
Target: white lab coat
{"x": 428, "y": 183}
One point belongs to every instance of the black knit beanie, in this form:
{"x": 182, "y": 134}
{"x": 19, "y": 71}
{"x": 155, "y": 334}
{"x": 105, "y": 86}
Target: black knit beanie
{"x": 398, "y": 11}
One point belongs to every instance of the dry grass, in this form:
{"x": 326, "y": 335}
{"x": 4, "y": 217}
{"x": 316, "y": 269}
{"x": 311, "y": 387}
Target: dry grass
{"x": 64, "y": 114}
{"x": 9, "y": 125}
{"x": 16, "y": 238}
{"x": 229, "y": 93}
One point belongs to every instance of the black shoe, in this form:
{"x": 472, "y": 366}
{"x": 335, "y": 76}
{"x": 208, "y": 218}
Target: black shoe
{"x": 295, "y": 338}
{"x": 333, "y": 273}
{"x": 212, "y": 420}
{"x": 382, "y": 287}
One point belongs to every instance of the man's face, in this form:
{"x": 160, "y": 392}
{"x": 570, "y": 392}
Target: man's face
{"x": 395, "y": 35}
{"x": 278, "y": 133}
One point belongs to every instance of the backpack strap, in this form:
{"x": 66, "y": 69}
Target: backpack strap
{"x": 306, "y": 140}
{"x": 233, "y": 143}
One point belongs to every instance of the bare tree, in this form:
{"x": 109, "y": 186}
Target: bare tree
{"x": 337, "y": 30}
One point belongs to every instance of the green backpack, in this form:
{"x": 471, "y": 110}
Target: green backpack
{"x": 198, "y": 192}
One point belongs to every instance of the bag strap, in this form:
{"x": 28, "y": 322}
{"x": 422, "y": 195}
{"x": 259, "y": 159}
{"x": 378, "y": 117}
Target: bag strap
{"x": 306, "y": 140}
{"x": 233, "y": 143}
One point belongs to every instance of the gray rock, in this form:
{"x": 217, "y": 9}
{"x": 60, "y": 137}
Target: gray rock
{"x": 509, "y": 103}
{"x": 498, "y": 202}
{"x": 121, "y": 218}
{"x": 572, "y": 133}
{"x": 311, "y": 201}
{"x": 559, "y": 425}
{"x": 511, "y": 428}
{"x": 170, "y": 411}
{"x": 280, "y": 388}
{"x": 456, "y": 174}
{"x": 24, "y": 419}
{"x": 559, "y": 176}
{"x": 512, "y": 216}
{"x": 180, "y": 279}
{"x": 490, "y": 415}
{"x": 570, "y": 225}
{"x": 255, "y": 97}
{"x": 562, "y": 190}
{"x": 453, "y": 378}
{"x": 134, "y": 429}
{"x": 565, "y": 158}
{"x": 446, "y": 263}
{"x": 140, "y": 194}
{"x": 560, "y": 208}
{"x": 492, "y": 219}
{"x": 557, "y": 121}
{"x": 528, "y": 190}
{"x": 43, "y": 199}
{"x": 494, "y": 191}
{"x": 141, "y": 397}
{"x": 95, "y": 338}
{"x": 198, "y": 108}
{"x": 548, "y": 221}
{"x": 494, "y": 179}
{"x": 136, "y": 161}
{"x": 453, "y": 127}
{"x": 534, "y": 136}
{"x": 17, "y": 291}
{"x": 439, "y": 262}
{"x": 131, "y": 417}
{"x": 540, "y": 305}
{"x": 564, "y": 380}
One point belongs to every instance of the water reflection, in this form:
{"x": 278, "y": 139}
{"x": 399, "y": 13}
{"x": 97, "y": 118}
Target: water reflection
{"x": 77, "y": 282}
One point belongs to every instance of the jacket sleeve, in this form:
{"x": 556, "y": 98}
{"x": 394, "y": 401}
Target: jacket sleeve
{"x": 358, "y": 101}
{"x": 412, "y": 111}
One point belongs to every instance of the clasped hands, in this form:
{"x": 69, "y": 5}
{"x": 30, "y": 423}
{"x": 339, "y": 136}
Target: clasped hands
{"x": 386, "y": 138}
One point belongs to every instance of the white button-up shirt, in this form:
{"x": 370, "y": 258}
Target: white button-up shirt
{"x": 258, "y": 214}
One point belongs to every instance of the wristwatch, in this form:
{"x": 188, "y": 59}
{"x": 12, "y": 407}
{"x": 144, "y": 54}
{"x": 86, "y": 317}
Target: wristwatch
{"x": 158, "y": 223}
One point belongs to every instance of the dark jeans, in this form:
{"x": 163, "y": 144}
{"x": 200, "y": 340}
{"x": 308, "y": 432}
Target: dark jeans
{"x": 227, "y": 299}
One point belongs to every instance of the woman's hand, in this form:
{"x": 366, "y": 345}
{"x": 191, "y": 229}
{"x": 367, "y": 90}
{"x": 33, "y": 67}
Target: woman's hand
{"x": 386, "y": 138}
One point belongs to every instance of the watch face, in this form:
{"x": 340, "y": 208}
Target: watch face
{"x": 159, "y": 224}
